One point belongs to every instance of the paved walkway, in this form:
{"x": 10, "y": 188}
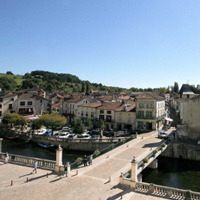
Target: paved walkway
{"x": 91, "y": 183}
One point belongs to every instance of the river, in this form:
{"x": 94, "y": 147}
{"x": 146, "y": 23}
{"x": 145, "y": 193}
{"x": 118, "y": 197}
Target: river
{"x": 177, "y": 173}
{"x": 32, "y": 149}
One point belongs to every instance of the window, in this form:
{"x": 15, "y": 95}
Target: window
{"x": 1, "y": 100}
{"x": 12, "y": 99}
{"x": 22, "y": 103}
{"x": 149, "y": 114}
{"x": 92, "y": 114}
{"x": 141, "y": 113}
{"x": 108, "y": 112}
{"x": 101, "y": 117}
{"x": 40, "y": 101}
{"x": 101, "y": 111}
{"x": 0, "y": 105}
{"x": 140, "y": 105}
{"x": 10, "y": 106}
{"x": 29, "y": 103}
{"x": 140, "y": 124}
{"x": 108, "y": 118}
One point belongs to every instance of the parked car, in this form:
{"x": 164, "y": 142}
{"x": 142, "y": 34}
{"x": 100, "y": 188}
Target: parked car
{"x": 108, "y": 133}
{"x": 84, "y": 136}
{"x": 163, "y": 134}
{"x": 65, "y": 128}
{"x": 63, "y": 135}
{"x": 41, "y": 131}
{"x": 123, "y": 132}
{"x": 48, "y": 132}
{"x": 72, "y": 136}
{"x": 56, "y": 134}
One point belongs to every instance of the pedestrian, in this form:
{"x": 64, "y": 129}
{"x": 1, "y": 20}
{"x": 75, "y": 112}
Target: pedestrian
{"x": 66, "y": 169}
{"x": 6, "y": 158}
{"x": 35, "y": 166}
{"x": 85, "y": 160}
{"x": 90, "y": 159}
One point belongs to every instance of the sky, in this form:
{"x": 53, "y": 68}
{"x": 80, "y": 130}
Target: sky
{"x": 122, "y": 43}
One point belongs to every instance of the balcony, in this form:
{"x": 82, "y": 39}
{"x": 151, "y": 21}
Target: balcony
{"x": 161, "y": 117}
{"x": 144, "y": 117}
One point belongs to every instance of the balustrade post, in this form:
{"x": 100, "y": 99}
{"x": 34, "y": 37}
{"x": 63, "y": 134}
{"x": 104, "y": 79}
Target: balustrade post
{"x": 134, "y": 175}
{"x": 1, "y": 144}
{"x": 151, "y": 188}
{"x": 59, "y": 165}
{"x": 188, "y": 195}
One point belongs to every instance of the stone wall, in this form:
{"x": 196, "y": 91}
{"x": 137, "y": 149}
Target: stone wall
{"x": 183, "y": 150}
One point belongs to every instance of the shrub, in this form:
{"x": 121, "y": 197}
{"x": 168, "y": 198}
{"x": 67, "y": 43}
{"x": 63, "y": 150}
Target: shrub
{"x": 155, "y": 151}
{"x": 146, "y": 160}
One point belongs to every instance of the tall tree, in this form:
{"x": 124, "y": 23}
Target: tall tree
{"x": 52, "y": 120}
{"x": 79, "y": 127}
{"x": 176, "y": 87}
{"x": 83, "y": 87}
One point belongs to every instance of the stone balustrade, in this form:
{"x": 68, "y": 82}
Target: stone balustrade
{"x": 28, "y": 161}
{"x": 159, "y": 190}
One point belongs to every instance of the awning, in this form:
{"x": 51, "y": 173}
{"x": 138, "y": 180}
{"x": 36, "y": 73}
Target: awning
{"x": 168, "y": 119}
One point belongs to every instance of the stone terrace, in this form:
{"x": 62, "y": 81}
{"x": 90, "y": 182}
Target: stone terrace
{"x": 91, "y": 183}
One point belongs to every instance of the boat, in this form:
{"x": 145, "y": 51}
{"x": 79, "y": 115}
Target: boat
{"x": 11, "y": 137}
{"x": 45, "y": 145}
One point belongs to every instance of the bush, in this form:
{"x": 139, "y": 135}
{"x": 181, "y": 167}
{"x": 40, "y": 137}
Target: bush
{"x": 163, "y": 145}
{"x": 155, "y": 151}
{"x": 146, "y": 160}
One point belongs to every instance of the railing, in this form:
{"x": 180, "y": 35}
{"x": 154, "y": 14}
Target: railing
{"x": 153, "y": 154}
{"x": 28, "y": 161}
{"x": 167, "y": 192}
{"x": 103, "y": 151}
{"x": 145, "y": 117}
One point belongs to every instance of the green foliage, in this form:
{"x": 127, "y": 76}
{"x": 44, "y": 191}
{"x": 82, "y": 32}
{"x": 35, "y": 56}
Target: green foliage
{"x": 9, "y": 73}
{"x": 176, "y": 87}
{"x": 146, "y": 160}
{"x": 101, "y": 124}
{"x": 79, "y": 127}
{"x": 163, "y": 145}
{"x": 7, "y": 84}
{"x": 155, "y": 151}
{"x": 88, "y": 122}
{"x": 52, "y": 120}
{"x": 14, "y": 119}
{"x": 36, "y": 124}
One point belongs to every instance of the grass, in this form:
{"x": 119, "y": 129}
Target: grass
{"x": 17, "y": 78}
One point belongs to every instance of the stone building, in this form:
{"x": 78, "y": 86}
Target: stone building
{"x": 150, "y": 111}
{"x": 7, "y": 103}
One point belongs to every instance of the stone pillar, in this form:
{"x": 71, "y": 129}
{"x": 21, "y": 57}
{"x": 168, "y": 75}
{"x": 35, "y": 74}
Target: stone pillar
{"x": 59, "y": 165}
{"x": 139, "y": 177}
{"x": 1, "y": 144}
{"x": 134, "y": 176}
{"x": 154, "y": 164}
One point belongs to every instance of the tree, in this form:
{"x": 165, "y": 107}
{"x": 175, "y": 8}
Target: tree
{"x": 50, "y": 88}
{"x": 36, "y": 125}
{"x": 52, "y": 120}
{"x": 83, "y": 87}
{"x": 14, "y": 119}
{"x": 88, "y": 122}
{"x": 79, "y": 127}
{"x": 176, "y": 88}
{"x": 9, "y": 73}
{"x": 101, "y": 125}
